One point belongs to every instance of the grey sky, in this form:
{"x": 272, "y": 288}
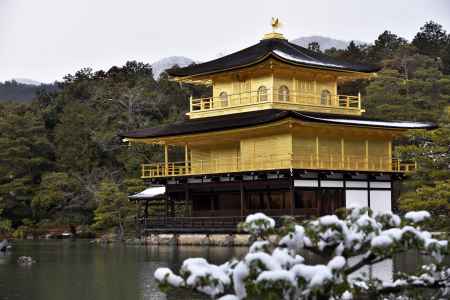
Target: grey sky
{"x": 46, "y": 39}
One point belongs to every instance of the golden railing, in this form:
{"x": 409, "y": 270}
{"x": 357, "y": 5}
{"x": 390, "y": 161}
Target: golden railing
{"x": 345, "y": 102}
{"x": 274, "y": 162}
{"x": 400, "y": 166}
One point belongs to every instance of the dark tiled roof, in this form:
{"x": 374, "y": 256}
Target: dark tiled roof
{"x": 277, "y": 48}
{"x": 248, "y": 119}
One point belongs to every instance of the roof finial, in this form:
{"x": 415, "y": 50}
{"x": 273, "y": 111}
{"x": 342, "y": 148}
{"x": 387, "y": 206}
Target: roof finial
{"x": 276, "y": 24}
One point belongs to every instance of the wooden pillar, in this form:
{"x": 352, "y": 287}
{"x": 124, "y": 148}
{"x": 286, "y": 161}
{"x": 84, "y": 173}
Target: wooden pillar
{"x": 317, "y": 152}
{"x": 367, "y": 154}
{"x": 138, "y": 209}
{"x": 211, "y": 201}
{"x": 389, "y": 162}
{"x": 292, "y": 194}
{"x": 315, "y": 86}
{"x": 166, "y": 206}
{"x": 186, "y": 200}
{"x": 359, "y": 100}
{"x": 319, "y": 196}
{"x": 186, "y": 159}
{"x": 138, "y": 219}
{"x": 294, "y": 89}
{"x": 166, "y": 159}
{"x": 241, "y": 187}
{"x": 146, "y": 209}
{"x": 342, "y": 153}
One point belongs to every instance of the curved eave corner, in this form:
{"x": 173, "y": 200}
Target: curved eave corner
{"x": 323, "y": 66}
{"x": 400, "y": 125}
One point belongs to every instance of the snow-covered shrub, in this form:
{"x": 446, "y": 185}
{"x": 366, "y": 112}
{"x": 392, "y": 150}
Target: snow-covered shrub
{"x": 276, "y": 270}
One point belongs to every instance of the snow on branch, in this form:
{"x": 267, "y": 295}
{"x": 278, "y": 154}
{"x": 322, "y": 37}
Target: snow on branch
{"x": 275, "y": 268}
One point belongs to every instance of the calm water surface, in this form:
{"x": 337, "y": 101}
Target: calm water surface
{"x": 78, "y": 270}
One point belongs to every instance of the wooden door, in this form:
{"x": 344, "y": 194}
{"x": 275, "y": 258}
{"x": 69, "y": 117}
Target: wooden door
{"x": 329, "y": 200}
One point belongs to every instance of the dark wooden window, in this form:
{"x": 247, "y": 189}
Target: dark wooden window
{"x": 325, "y": 200}
{"x": 331, "y": 200}
{"x": 201, "y": 202}
{"x": 229, "y": 201}
{"x": 305, "y": 199}
{"x": 267, "y": 200}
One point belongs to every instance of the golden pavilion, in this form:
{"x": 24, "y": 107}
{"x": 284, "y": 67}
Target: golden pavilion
{"x": 274, "y": 137}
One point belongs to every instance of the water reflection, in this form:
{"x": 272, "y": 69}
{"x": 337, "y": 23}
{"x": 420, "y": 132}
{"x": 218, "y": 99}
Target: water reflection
{"x": 78, "y": 270}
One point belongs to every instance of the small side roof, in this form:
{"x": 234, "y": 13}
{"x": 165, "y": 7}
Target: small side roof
{"x": 279, "y": 49}
{"x": 248, "y": 119}
{"x": 150, "y": 193}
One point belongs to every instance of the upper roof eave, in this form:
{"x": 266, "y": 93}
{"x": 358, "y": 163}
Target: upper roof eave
{"x": 192, "y": 77}
{"x": 279, "y": 49}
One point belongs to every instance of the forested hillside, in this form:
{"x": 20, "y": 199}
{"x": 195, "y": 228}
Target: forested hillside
{"x": 20, "y": 92}
{"x": 62, "y": 163}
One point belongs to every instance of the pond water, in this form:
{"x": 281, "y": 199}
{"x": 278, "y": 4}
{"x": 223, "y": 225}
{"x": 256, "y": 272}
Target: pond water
{"x": 79, "y": 270}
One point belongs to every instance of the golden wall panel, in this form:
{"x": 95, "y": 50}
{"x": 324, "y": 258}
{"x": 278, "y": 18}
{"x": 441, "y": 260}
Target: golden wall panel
{"x": 330, "y": 156}
{"x": 379, "y": 154}
{"x": 304, "y": 151}
{"x": 269, "y": 152}
{"x": 225, "y": 158}
{"x": 355, "y": 154}
{"x": 199, "y": 158}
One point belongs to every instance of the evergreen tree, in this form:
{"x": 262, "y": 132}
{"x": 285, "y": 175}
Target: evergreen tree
{"x": 314, "y": 46}
{"x": 385, "y": 46}
{"x": 431, "y": 39}
{"x": 25, "y": 154}
{"x": 60, "y": 199}
{"x": 114, "y": 209}
{"x": 408, "y": 88}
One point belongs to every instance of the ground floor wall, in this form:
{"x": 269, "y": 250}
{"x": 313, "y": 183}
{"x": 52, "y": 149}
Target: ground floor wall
{"x": 217, "y": 203}
{"x": 310, "y": 194}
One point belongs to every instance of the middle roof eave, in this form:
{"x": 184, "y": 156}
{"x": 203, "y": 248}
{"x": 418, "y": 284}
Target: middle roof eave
{"x": 249, "y": 119}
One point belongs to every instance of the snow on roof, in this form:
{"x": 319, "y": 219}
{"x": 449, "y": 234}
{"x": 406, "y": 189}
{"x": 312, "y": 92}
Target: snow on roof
{"x": 312, "y": 60}
{"x": 412, "y": 125}
{"x": 149, "y": 193}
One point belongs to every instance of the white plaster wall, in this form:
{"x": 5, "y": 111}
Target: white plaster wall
{"x": 306, "y": 183}
{"x": 332, "y": 183}
{"x": 380, "y": 201}
{"x": 356, "y": 184}
{"x": 380, "y": 184}
{"x": 356, "y": 198}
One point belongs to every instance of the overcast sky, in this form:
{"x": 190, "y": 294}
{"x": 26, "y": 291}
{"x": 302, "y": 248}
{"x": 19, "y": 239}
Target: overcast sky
{"x": 47, "y": 39}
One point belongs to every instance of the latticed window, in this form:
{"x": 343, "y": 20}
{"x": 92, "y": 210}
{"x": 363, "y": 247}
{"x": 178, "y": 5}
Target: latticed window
{"x": 283, "y": 93}
{"x": 262, "y": 94}
{"x": 223, "y": 98}
{"x": 325, "y": 97}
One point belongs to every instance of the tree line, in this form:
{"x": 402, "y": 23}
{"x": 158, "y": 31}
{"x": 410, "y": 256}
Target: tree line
{"x": 63, "y": 164}
{"x": 21, "y": 92}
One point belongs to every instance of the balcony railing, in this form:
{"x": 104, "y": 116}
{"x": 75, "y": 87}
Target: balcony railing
{"x": 274, "y": 162}
{"x": 331, "y": 102}
{"x": 212, "y": 223}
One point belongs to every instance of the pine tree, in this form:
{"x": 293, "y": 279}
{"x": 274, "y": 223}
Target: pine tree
{"x": 25, "y": 154}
